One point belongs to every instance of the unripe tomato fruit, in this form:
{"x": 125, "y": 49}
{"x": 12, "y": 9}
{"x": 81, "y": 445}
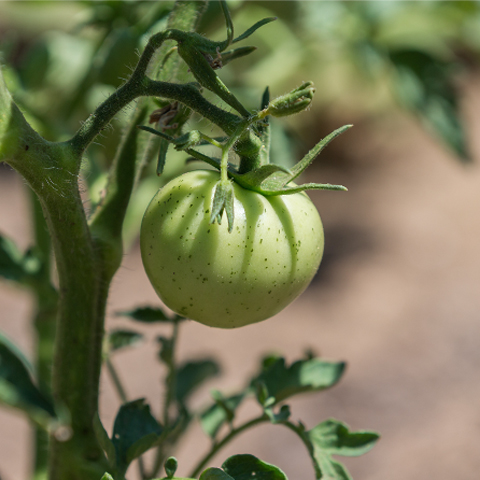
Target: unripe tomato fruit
{"x": 222, "y": 279}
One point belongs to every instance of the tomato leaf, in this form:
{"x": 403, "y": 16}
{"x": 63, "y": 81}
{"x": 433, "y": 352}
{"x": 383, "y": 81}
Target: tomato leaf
{"x": 248, "y": 467}
{"x": 135, "y": 431}
{"x": 424, "y": 84}
{"x": 191, "y": 375}
{"x": 104, "y": 440}
{"x": 18, "y": 266}
{"x": 17, "y": 388}
{"x": 10, "y": 260}
{"x": 214, "y": 473}
{"x": 333, "y": 438}
{"x": 222, "y": 411}
{"x": 282, "y": 382}
{"x": 118, "y": 339}
{"x": 146, "y": 315}
{"x": 282, "y": 416}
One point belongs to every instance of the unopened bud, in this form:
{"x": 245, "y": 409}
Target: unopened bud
{"x": 293, "y": 102}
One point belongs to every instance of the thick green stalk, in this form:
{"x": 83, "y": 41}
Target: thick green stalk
{"x": 46, "y": 300}
{"x": 51, "y": 170}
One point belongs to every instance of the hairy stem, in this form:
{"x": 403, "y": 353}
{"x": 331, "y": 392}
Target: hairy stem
{"x": 46, "y": 299}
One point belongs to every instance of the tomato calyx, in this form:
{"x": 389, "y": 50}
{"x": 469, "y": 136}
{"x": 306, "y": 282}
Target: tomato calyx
{"x": 269, "y": 179}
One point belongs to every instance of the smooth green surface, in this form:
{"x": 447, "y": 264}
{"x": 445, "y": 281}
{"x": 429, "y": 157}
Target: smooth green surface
{"x": 226, "y": 279}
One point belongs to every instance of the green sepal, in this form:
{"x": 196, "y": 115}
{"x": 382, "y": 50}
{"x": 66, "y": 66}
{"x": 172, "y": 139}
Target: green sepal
{"x": 231, "y": 55}
{"x": 162, "y": 156}
{"x": 306, "y": 161}
{"x": 223, "y": 202}
{"x": 254, "y": 28}
{"x": 106, "y": 476}
{"x": 228, "y": 21}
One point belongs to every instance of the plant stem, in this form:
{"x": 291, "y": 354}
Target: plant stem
{"x": 225, "y": 440}
{"x": 45, "y": 322}
{"x": 170, "y": 391}
{"x": 116, "y": 381}
{"x": 301, "y": 433}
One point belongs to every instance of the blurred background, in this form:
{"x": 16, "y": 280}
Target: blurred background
{"x": 398, "y": 293}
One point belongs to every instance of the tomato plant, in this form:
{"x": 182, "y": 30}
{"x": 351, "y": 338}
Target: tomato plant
{"x": 229, "y": 279}
{"x": 221, "y": 273}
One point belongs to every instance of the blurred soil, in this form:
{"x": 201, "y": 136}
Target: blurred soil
{"x": 397, "y": 297}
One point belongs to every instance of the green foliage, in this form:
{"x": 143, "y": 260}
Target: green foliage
{"x": 221, "y": 412}
{"x": 118, "y": 339}
{"x": 17, "y": 388}
{"x": 134, "y": 432}
{"x": 58, "y": 82}
{"x": 244, "y": 467}
{"x": 16, "y": 266}
{"x": 333, "y": 438}
{"x": 147, "y": 315}
{"x": 191, "y": 375}
{"x": 277, "y": 382}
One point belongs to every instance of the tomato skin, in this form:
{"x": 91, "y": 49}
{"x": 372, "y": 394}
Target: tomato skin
{"x": 222, "y": 279}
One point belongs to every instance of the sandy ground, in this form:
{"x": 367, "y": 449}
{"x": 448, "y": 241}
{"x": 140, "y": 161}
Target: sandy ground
{"x": 398, "y": 298}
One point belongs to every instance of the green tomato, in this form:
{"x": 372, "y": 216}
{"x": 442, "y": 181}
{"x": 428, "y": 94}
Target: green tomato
{"x": 222, "y": 279}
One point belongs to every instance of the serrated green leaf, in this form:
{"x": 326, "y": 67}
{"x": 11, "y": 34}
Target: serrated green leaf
{"x": 222, "y": 411}
{"x": 333, "y": 438}
{"x": 191, "y": 375}
{"x": 118, "y": 339}
{"x": 104, "y": 440}
{"x": 310, "y": 375}
{"x": 249, "y": 467}
{"x": 17, "y": 388}
{"x": 135, "y": 430}
{"x": 146, "y": 315}
{"x": 214, "y": 473}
